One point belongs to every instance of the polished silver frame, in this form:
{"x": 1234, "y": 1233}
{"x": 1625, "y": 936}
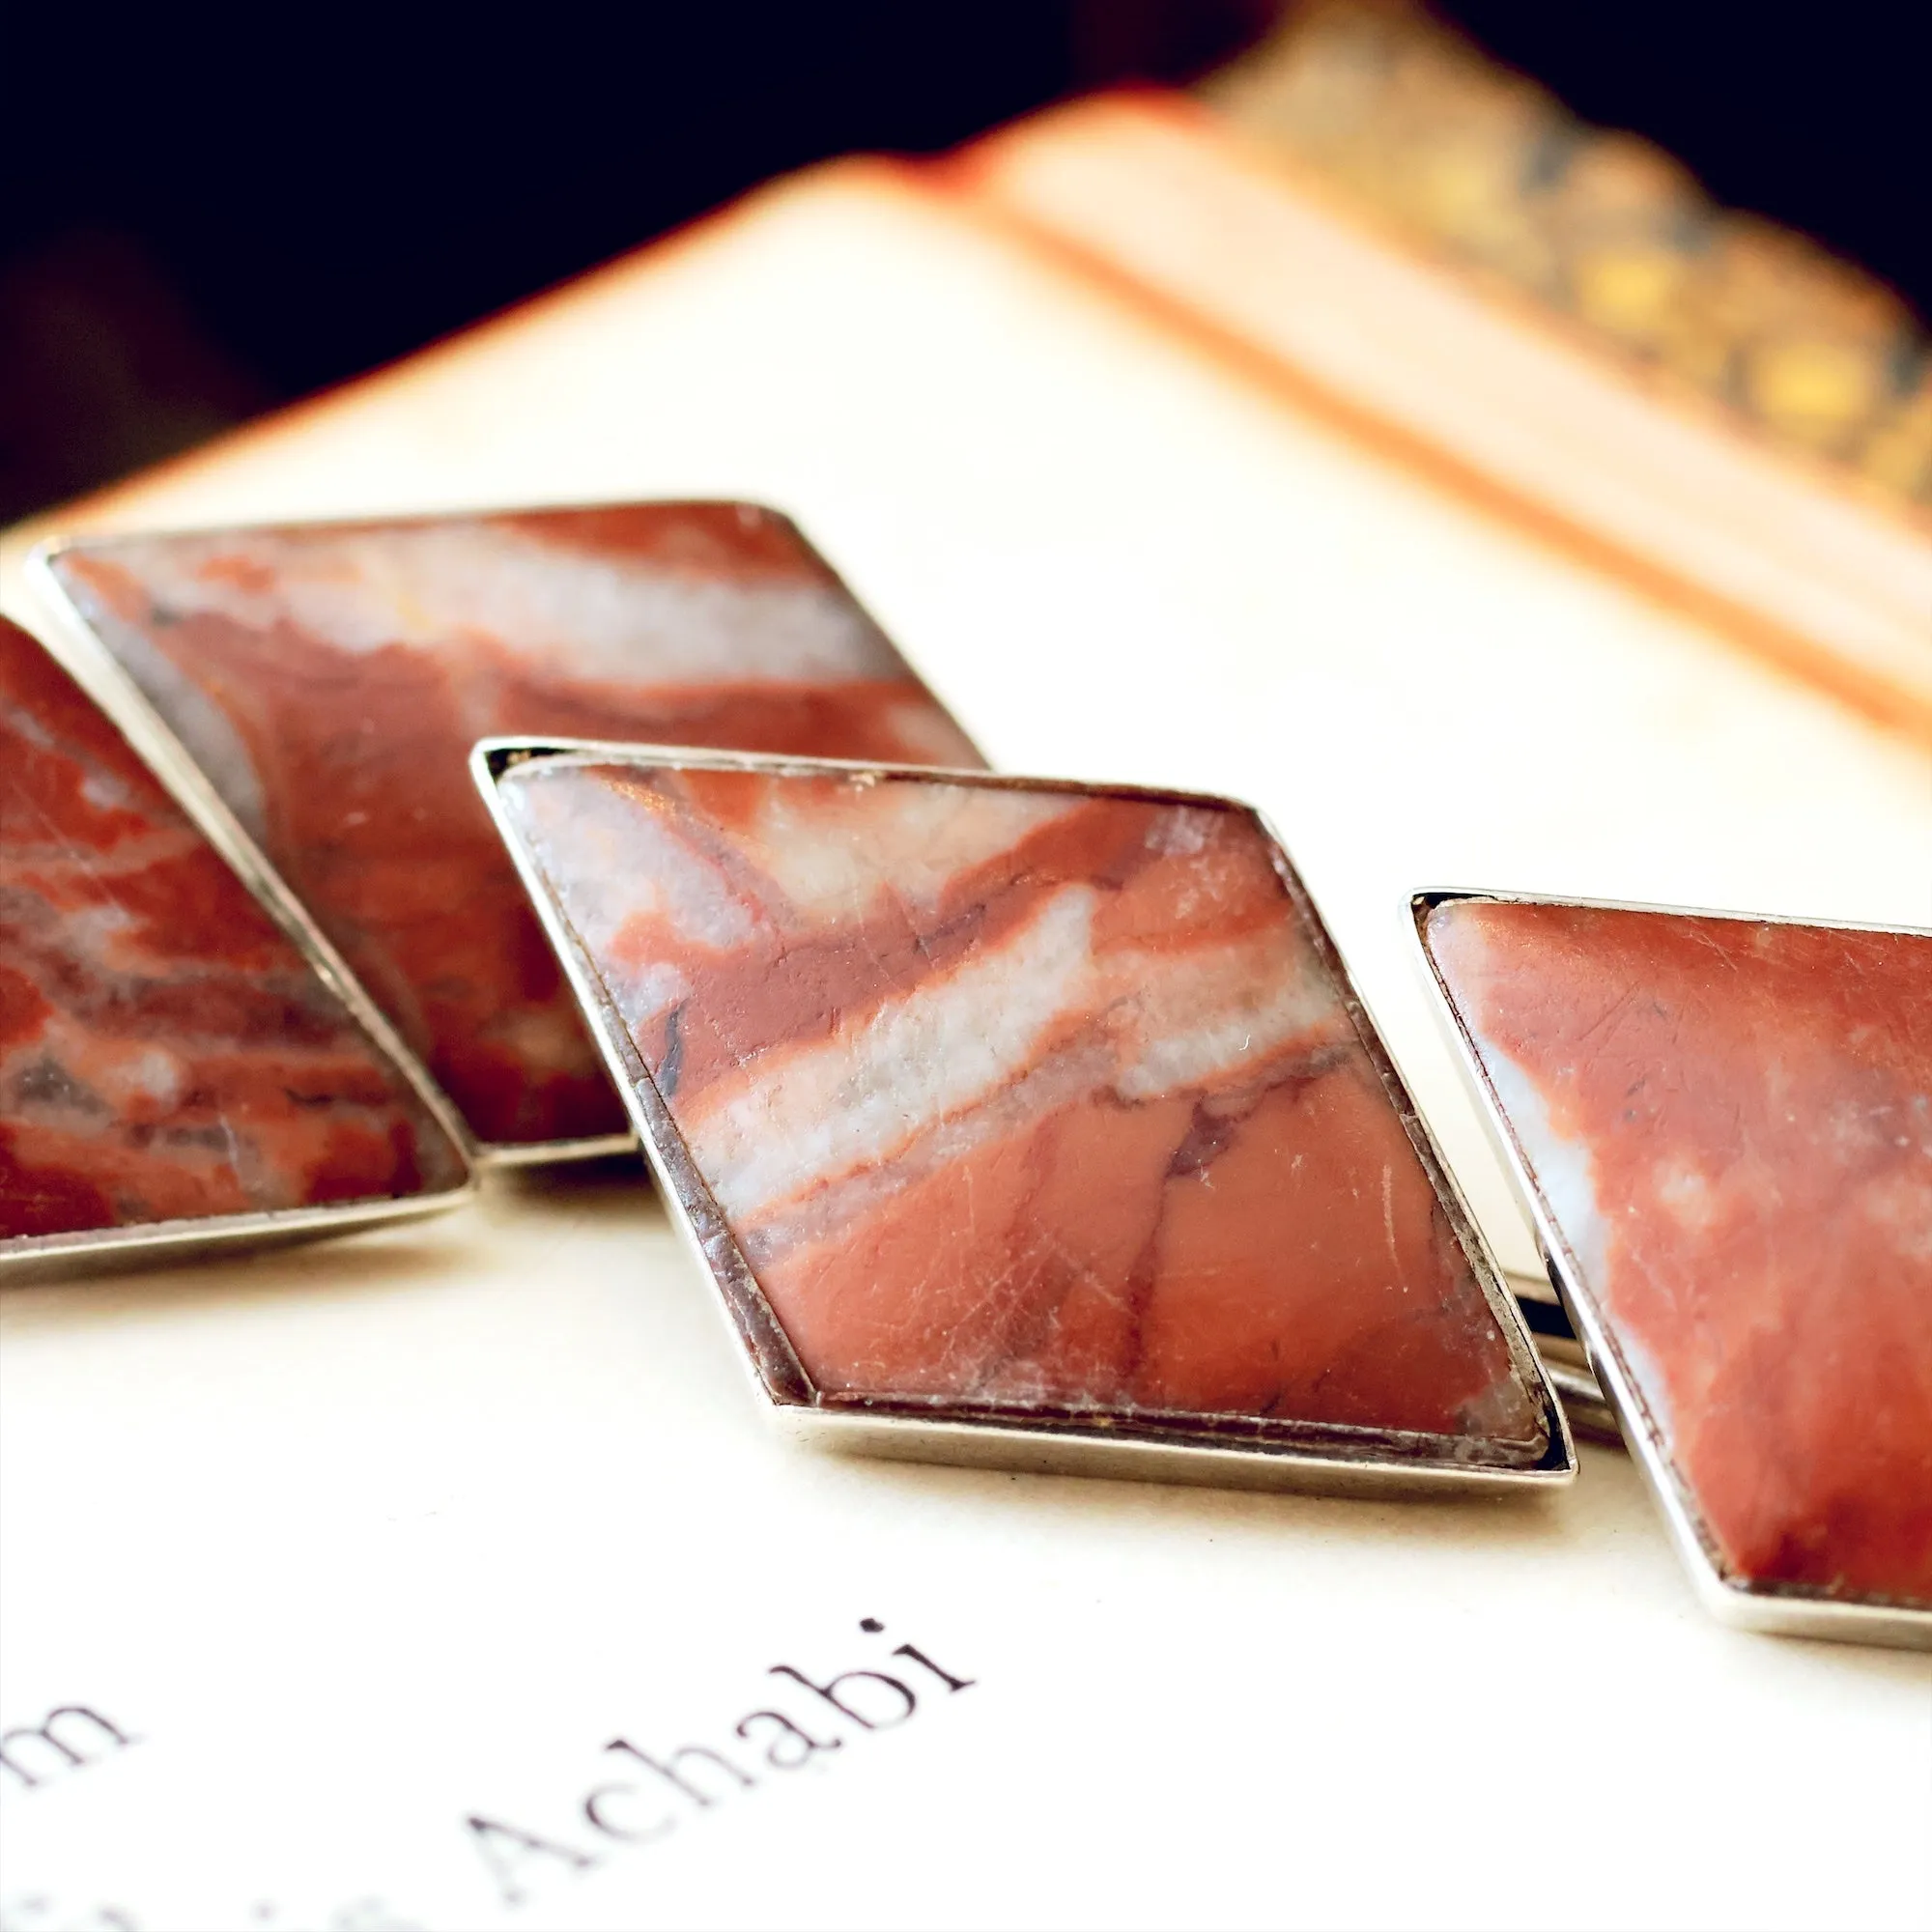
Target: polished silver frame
{"x": 1177, "y": 1450}
{"x": 1781, "y": 1609}
{"x": 48, "y": 1256}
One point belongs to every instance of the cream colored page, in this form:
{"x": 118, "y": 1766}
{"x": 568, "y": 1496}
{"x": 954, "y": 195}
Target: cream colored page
{"x": 1115, "y": 562}
{"x": 361, "y": 1543}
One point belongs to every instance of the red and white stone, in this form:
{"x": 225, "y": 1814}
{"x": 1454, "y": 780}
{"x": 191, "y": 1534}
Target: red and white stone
{"x": 1030, "y": 1102}
{"x": 330, "y": 681}
{"x": 1730, "y": 1124}
{"x": 166, "y": 1052}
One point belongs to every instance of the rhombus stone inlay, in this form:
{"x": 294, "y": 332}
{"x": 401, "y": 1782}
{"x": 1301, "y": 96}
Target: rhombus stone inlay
{"x": 1030, "y": 1102}
{"x": 166, "y": 1052}
{"x": 1729, "y": 1123}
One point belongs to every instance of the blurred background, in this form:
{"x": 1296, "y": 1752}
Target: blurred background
{"x": 199, "y": 222}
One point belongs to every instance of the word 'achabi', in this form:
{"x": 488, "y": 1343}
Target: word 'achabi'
{"x": 655, "y": 1791}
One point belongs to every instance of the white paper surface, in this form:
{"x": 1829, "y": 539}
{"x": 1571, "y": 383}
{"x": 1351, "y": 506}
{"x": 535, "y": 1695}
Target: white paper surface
{"x": 365, "y": 1541}
{"x": 359, "y": 1542}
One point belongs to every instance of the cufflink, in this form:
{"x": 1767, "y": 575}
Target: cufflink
{"x": 1025, "y": 1123}
{"x": 1723, "y": 1128}
{"x": 326, "y": 683}
{"x": 176, "y": 1072}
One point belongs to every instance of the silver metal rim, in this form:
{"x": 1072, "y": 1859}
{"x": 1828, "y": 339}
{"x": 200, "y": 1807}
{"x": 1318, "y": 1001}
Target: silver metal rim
{"x": 31, "y": 1258}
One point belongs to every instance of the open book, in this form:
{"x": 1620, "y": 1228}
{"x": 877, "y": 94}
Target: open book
{"x": 446, "y": 1577}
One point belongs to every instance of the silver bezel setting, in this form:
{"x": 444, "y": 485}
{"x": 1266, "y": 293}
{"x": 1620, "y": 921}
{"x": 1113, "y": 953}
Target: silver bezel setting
{"x": 1180, "y": 1450}
{"x": 1781, "y": 1609}
{"x": 49, "y": 1256}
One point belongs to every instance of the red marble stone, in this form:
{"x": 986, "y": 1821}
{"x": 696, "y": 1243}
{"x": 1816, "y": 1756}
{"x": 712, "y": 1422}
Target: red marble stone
{"x": 166, "y": 1053}
{"x": 1730, "y": 1122}
{"x": 1024, "y": 1102}
{"x": 332, "y": 681}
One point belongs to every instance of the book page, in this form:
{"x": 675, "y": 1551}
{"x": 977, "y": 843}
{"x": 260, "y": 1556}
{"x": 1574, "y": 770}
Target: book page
{"x": 452, "y": 1578}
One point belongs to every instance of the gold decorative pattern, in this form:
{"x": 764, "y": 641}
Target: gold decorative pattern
{"x": 1487, "y": 168}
